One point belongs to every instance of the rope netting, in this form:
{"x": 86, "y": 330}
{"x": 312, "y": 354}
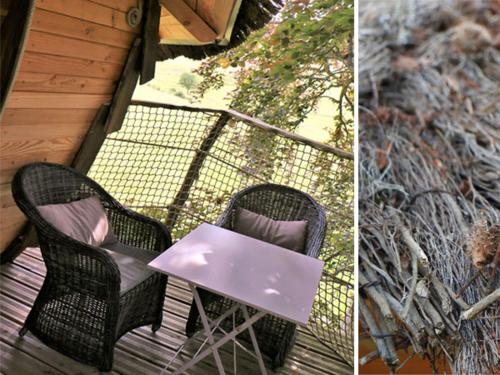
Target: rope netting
{"x": 181, "y": 165}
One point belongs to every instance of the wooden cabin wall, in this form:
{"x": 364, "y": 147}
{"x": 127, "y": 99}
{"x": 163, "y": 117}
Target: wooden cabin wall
{"x": 74, "y": 56}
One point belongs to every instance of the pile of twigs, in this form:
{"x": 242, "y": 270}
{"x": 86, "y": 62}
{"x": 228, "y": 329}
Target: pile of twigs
{"x": 430, "y": 181}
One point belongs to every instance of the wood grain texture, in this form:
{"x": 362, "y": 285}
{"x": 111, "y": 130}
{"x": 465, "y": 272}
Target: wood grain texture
{"x": 10, "y": 150}
{"x": 62, "y": 46}
{"x": 202, "y": 31}
{"x": 32, "y": 117}
{"x": 12, "y": 219}
{"x": 56, "y": 130}
{"x": 50, "y": 22}
{"x": 6, "y": 199}
{"x": 9, "y": 228}
{"x": 22, "y": 363}
{"x": 139, "y": 352}
{"x": 22, "y": 99}
{"x": 122, "y": 5}
{"x": 172, "y": 31}
{"x": 43, "y": 63}
{"x": 8, "y": 167}
{"x": 58, "y": 83}
{"x": 216, "y": 13}
{"x": 73, "y": 61}
{"x": 90, "y": 11}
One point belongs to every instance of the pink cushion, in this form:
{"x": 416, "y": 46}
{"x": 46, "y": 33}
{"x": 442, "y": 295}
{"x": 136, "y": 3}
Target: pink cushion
{"x": 84, "y": 220}
{"x": 288, "y": 234}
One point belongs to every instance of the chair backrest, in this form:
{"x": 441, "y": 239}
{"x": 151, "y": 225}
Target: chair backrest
{"x": 280, "y": 202}
{"x": 39, "y": 184}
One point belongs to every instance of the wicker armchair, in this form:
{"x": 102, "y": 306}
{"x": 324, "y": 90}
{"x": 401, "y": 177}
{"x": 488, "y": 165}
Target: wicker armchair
{"x": 83, "y": 307}
{"x": 275, "y": 336}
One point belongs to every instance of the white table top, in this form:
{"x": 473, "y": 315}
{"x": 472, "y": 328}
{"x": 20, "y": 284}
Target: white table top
{"x": 253, "y": 272}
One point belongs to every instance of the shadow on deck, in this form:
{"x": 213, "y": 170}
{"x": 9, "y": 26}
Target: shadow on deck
{"x": 139, "y": 351}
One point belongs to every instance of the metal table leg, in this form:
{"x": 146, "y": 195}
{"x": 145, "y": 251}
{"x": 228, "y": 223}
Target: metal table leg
{"x": 208, "y": 333}
{"x": 213, "y": 347}
{"x": 254, "y": 342}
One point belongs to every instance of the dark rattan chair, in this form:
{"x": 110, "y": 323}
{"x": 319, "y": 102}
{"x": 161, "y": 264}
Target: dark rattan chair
{"x": 275, "y": 336}
{"x": 83, "y": 307}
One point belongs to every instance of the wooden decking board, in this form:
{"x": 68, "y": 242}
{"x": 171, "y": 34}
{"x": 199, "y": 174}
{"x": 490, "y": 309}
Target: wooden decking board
{"x": 23, "y": 363}
{"x": 139, "y": 351}
{"x": 312, "y": 353}
{"x": 179, "y": 291}
{"x": 166, "y": 340}
{"x": 179, "y": 297}
{"x": 308, "y": 354}
{"x": 32, "y": 346}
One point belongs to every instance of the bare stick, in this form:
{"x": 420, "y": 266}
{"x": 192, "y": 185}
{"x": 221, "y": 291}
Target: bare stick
{"x": 466, "y": 285}
{"x": 415, "y": 249}
{"x": 379, "y": 300}
{"x": 413, "y": 287}
{"x": 369, "y": 357}
{"x": 481, "y": 305}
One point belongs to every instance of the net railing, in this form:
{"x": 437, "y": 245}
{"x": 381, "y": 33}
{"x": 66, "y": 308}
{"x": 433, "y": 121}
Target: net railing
{"x": 181, "y": 165}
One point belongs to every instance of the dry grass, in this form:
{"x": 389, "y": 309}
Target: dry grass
{"x": 429, "y": 76}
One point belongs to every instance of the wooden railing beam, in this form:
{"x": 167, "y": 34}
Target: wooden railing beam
{"x": 194, "y": 170}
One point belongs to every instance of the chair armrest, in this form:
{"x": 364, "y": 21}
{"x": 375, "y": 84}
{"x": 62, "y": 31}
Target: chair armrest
{"x": 134, "y": 229}
{"x": 315, "y": 239}
{"x": 226, "y": 219}
{"x": 79, "y": 266}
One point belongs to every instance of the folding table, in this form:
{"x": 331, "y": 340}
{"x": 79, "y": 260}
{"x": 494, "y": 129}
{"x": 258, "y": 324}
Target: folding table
{"x": 250, "y": 272}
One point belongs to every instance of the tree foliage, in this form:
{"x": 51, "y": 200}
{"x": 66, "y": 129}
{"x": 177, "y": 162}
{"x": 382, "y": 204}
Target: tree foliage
{"x": 284, "y": 69}
{"x": 188, "y": 81}
{"x": 282, "y": 72}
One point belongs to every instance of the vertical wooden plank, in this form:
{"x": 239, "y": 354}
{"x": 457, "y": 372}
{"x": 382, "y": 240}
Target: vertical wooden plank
{"x": 150, "y": 39}
{"x": 124, "y": 90}
{"x": 194, "y": 170}
{"x": 92, "y": 142}
{"x": 14, "y": 30}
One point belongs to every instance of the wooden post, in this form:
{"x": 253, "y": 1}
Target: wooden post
{"x": 194, "y": 170}
{"x": 151, "y": 39}
{"x": 124, "y": 90}
{"x": 14, "y": 30}
{"x": 93, "y": 141}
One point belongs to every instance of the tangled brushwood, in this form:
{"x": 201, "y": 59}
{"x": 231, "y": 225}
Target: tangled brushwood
{"x": 430, "y": 181}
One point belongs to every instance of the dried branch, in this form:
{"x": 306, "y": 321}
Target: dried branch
{"x": 429, "y": 156}
{"x": 482, "y": 305}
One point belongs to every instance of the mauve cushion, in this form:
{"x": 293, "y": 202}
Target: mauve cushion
{"x": 84, "y": 220}
{"x": 132, "y": 263}
{"x": 288, "y": 234}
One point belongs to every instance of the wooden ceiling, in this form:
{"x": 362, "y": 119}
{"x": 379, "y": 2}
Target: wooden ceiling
{"x": 197, "y": 22}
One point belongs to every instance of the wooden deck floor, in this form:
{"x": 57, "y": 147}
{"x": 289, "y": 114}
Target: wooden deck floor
{"x": 139, "y": 351}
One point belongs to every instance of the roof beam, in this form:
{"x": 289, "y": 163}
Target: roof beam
{"x": 190, "y": 20}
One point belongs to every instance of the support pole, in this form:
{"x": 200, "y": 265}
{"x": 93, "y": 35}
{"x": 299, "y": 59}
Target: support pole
{"x": 194, "y": 170}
